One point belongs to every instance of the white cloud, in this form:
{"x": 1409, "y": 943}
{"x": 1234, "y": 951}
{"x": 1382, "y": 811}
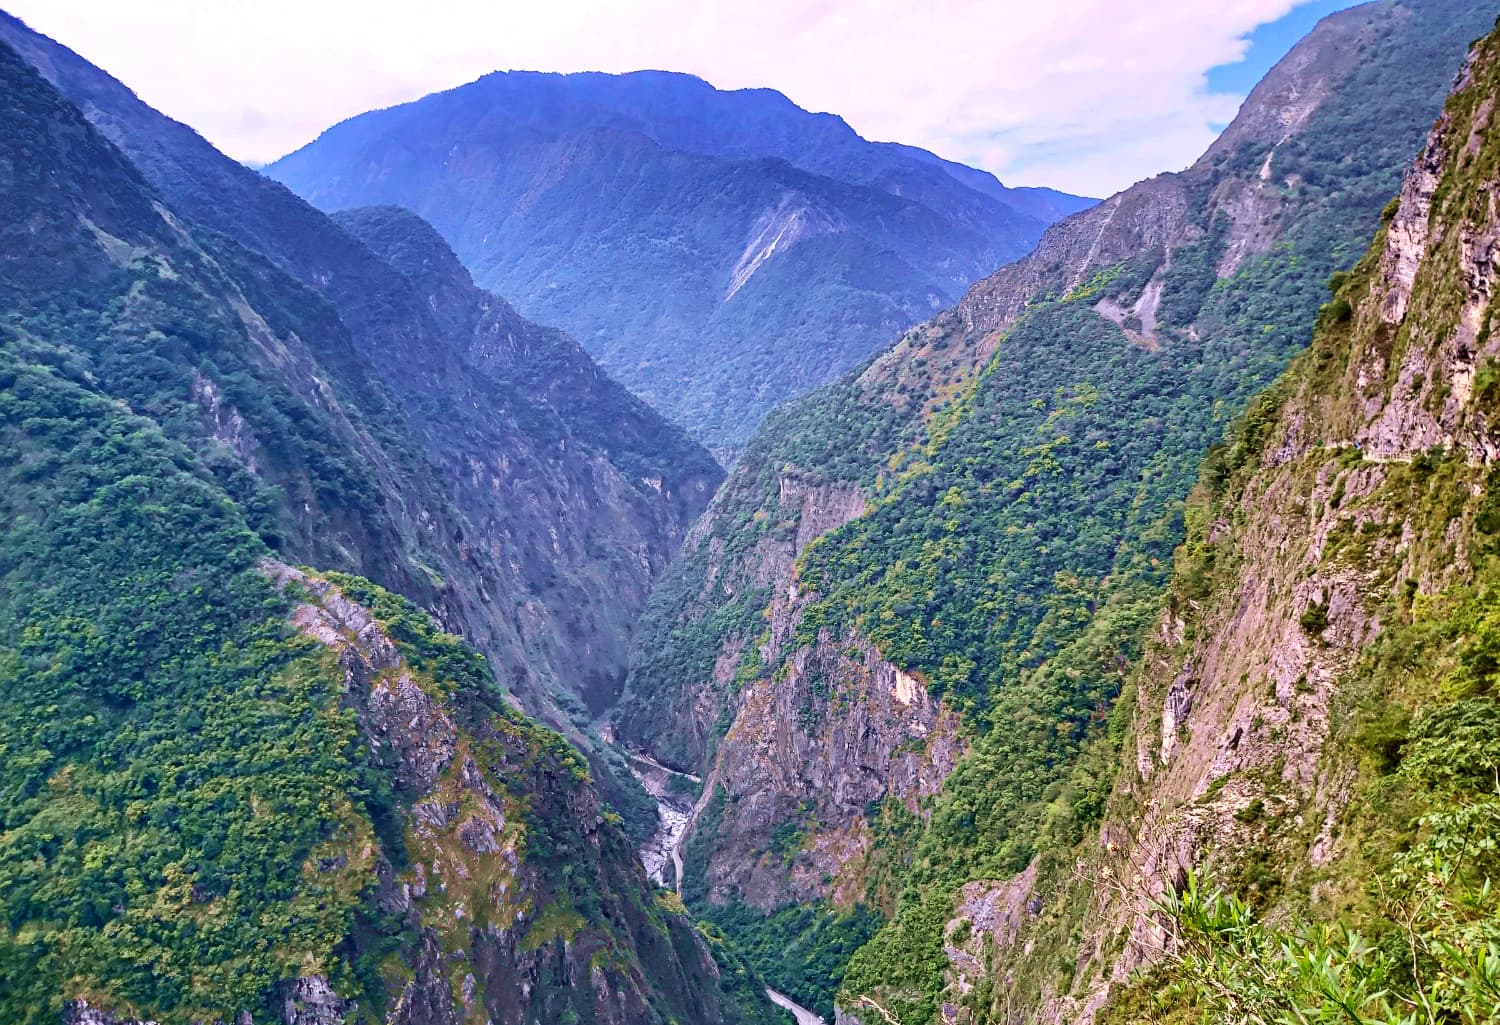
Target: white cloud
{"x": 1085, "y": 95}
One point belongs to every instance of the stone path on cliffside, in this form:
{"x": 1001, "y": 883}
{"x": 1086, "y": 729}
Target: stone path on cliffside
{"x": 802, "y": 1014}
{"x": 645, "y": 759}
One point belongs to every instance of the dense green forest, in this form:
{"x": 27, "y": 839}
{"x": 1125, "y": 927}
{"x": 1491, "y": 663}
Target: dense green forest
{"x": 201, "y": 806}
{"x": 1023, "y": 520}
{"x": 173, "y": 757}
{"x": 136, "y": 866}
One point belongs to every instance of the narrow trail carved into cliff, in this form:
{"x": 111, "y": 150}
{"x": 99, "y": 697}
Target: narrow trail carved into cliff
{"x": 802, "y": 1014}
{"x": 645, "y": 759}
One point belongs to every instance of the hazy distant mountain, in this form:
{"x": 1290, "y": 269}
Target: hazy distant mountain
{"x": 717, "y": 251}
{"x": 220, "y": 770}
{"x": 893, "y": 646}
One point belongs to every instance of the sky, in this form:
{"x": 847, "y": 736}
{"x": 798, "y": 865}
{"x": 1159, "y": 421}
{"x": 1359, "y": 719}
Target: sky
{"x": 1088, "y": 96}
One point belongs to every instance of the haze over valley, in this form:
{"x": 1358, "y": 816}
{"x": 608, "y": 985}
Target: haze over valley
{"x": 592, "y": 547}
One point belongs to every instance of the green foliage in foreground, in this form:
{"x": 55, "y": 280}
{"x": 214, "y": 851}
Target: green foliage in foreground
{"x": 170, "y": 755}
{"x": 1235, "y": 968}
{"x": 1432, "y": 952}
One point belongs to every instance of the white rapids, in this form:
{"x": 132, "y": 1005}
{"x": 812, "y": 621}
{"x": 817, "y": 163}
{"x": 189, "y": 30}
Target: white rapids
{"x": 675, "y": 812}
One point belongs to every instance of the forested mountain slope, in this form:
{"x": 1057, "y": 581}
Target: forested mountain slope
{"x": 235, "y": 790}
{"x": 1310, "y": 743}
{"x": 717, "y": 251}
{"x": 910, "y": 608}
{"x": 533, "y": 500}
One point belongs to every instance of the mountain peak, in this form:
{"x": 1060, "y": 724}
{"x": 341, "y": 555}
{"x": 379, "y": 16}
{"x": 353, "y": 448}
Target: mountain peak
{"x": 1291, "y": 92}
{"x": 647, "y": 213}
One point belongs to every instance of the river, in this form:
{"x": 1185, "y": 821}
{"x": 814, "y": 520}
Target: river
{"x": 676, "y": 813}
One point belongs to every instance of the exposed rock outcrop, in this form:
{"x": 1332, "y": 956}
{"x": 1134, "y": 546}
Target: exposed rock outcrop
{"x": 1171, "y": 265}
{"x": 1328, "y": 527}
{"x": 499, "y": 935}
{"x": 674, "y": 718}
{"x": 812, "y": 752}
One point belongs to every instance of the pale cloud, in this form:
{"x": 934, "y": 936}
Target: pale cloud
{"x": 1084, "y": 95}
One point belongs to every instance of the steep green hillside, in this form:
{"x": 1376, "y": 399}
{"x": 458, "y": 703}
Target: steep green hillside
{"x": 195, "y": 821}
{"x": 719, "y": 252}
{"x": 195, "y": 824}
{"x": 86, "y": 251}
{"x": 516, "y": 490}
{"x": 1301, "y": 821}
{"x": 124, "y": 833}
{"x": 959, "y": 547}
{"x": 234, "y": 790}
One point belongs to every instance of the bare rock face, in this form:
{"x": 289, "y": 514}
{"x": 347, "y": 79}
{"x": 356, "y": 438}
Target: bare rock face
{"x": 988, "y": 916}
{"x": 1231, "y": 761}
{"x": 813, "y": 751}
{"x": 677, "y": 727}
{"x": 805, "y": 754}
{"x": 81, "y": 1012}
{"x": 1156, "y": 214}
{"x": 1437, "y": 356}
{"x": 820, "y": 508}
{"x": 428, "y": 998}
{"x": 794, "y": 218}
{"x": 810, "y": 751}
{"x": 400, "y": 718}
{"x": 226, "y": 425}
{"x": 311, "y": 1001}
{"x": 495, "y": 939}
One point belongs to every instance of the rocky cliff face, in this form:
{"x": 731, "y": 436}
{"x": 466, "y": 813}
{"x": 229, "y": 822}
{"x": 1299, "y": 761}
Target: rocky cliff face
{"x": 524, "y": 904}
{"x": 1344, "y": 524}
{"x": 511, "y": 487}
{"x": 1022, "y": 461}
{"x": 755, "y": 578}
{"x": 242, "y": 792}
{"x": 802, "y": 764}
